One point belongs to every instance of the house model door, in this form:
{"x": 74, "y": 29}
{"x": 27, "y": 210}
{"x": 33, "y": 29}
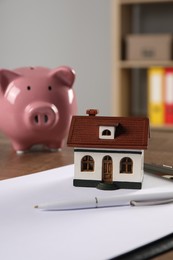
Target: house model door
{"x": 107, "y": 169}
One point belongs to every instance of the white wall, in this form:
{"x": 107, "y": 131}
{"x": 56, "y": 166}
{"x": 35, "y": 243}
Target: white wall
{"x": 61, "y": 32}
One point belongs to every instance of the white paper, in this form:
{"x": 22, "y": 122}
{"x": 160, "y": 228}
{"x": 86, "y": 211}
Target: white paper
{"x": 28, "y": 233}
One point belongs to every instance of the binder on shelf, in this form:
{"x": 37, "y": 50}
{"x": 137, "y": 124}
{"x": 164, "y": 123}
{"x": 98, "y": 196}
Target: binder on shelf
{"x": 155, "y": 96}
{"x": 168, "y": 95}
{"x": 138, "y": 94}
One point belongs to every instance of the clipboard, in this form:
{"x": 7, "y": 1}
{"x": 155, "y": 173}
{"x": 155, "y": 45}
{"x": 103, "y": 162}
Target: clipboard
{"x": 158, "y": 162}
{"x": 150, "y": 250}
{"x": 100, "y": 233}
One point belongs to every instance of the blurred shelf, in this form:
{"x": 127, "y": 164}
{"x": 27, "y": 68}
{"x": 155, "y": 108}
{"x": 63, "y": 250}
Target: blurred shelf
{"x": 129, "y": 77}
{"x": 143, "y": 1}
{"x": 144, "y": 64}
{"x": 166, "y": 128}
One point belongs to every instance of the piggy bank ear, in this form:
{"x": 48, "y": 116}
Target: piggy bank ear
{"x": 7, "y": 76}
{"x": 65, "y": 75}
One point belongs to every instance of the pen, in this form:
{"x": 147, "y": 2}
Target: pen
{"x": 135, "y": 199}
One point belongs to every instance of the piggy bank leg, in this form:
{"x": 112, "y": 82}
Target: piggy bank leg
{"x": 20, "y": 148}
{"x": 55, "y": 150}
{"x": 20, "y": 152}
{"x": 56, "y": 146}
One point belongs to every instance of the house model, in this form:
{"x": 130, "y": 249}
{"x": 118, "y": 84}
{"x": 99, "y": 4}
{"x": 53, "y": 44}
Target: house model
{"x": 108, "y": 151}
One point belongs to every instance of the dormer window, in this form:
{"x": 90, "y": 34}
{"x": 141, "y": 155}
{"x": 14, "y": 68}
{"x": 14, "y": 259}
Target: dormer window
{"x": 109, "y": 132}
{"x": 106, "y": 132}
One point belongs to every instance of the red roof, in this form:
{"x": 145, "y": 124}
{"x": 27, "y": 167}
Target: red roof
{"x": 130, "y": 132}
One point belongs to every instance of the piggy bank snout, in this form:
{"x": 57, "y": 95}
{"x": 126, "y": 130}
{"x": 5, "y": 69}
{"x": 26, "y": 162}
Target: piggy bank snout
{"x": 41, "y": 115}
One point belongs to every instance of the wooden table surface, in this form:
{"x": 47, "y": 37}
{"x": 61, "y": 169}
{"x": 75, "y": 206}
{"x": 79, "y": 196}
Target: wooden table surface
{"x": 13, "y": 165}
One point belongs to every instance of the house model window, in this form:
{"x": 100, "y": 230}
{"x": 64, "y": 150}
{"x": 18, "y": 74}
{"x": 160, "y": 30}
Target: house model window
{"x": 126, "y": 165}
{"x": 107, "y": 132}
{"x": 87, "y": 164}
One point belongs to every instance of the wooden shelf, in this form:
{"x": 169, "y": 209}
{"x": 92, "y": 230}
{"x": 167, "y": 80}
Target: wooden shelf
{"x": 143, "y": 1}
{"x": 166, "y": 128}
{"x": 144, "y": 64}
{"x": 129, "y": 77}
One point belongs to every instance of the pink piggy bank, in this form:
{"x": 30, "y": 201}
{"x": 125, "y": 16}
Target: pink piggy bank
{"x": 36, "y": 106}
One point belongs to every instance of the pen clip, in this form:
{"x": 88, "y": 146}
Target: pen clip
{"x": 150, "y": 202}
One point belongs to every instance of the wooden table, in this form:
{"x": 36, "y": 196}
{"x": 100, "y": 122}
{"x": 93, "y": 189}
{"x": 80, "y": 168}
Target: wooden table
{"x": 13, "y": 165}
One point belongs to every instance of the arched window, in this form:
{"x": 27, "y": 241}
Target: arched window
{"x": 126, "y": 165}
{"x": 106, "y": 132}
{"x": 87, "y": 164}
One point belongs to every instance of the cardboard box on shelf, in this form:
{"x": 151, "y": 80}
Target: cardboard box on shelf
{"x": 149, "y": 47}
